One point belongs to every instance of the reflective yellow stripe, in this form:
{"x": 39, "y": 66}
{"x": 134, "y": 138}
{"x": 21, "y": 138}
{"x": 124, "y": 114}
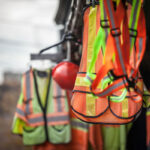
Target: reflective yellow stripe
{"x": 90, "y": 100}
{"x": 81, "y": 82}
{"x": 90, "y": 105}
{"x": 125, "y": 107}
{"x": 92, "y": 35}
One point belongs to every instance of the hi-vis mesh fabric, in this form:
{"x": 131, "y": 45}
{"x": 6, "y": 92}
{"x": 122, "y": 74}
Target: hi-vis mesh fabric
{"x": 108, "y": 87}
{"x": 39, "y": 123}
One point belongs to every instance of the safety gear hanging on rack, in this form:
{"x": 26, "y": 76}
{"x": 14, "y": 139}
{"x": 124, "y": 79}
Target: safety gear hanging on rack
{"x": 48, "y": 121}
{"x": 108, "y": 87}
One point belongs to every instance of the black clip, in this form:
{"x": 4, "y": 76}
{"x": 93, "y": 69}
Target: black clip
{"x": 133, "y": 32}
{"x": 115, "y": 32}
{"x": 131, "y": 82}
{"x": 104, "y": 23}
{"x": 115, "y": 77}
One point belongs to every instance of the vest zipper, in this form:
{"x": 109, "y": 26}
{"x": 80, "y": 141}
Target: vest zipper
{"x": 44, "y": 109}
{"x": 45, "y": 125}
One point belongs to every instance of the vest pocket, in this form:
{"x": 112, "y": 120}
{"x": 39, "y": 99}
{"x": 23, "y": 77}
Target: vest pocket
{"x": 126, "y": 109}
{"x": 33, "y": 135}
{"x": 59, "y": 134}
{"x": 91, "y": 107}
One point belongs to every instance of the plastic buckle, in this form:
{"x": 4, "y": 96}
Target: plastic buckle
{"x": 115, "y": 32}
{"x": 104, "y": 23}
{"x": 133, "y": 32}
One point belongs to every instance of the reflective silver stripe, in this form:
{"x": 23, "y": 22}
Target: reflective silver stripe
{"x": 20, "y": 112}
{"x": 135, "y": 13}
{"x": 120, "y": 55}
{"x": 139, "y": 53}
{"x": 105, "y": 14}
{"x": 36, "y": 120}
{"x": 28, "y": 88}
{"x": 132, "y": 71}
{"x": 58, "y": 118}
{"x": 49, "y": 119}
{"x": 116, "y": 38}
{"x": 105, "y": 18}
{"x": 110, "y": 13}
{"x": 77, "y": 124}
{"x": 105, "y": 93}
{"x": 89, "y": 78}
{"x": 28, "y": 108}
{"x": 140, "y": 48}
{"x": 58, "y": 97}
{"x": 134, "y": 20}
{"x": 28, "y": 92}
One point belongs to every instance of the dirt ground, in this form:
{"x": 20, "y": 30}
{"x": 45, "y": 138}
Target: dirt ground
{"x": 8, "y": 99}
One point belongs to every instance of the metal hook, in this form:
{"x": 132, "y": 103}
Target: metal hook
{"x": 93, "y": 3}
{"x": 66, "y": 37}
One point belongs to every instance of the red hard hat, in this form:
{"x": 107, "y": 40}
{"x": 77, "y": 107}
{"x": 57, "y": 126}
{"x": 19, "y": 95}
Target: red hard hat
{"x": 65, "y": 74}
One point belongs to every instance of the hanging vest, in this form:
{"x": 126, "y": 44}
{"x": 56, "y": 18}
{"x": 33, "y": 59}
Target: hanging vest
{"x": 110, "y": 96}
{"x": 44, "y": 123}
{"x": 82, "y": 134}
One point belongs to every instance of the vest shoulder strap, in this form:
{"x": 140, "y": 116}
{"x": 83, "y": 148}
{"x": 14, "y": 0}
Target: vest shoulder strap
{"x": 27, "y": 85}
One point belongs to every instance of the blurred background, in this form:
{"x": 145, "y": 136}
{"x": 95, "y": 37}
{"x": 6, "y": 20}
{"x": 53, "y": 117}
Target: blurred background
{"x": 26, "y": 26}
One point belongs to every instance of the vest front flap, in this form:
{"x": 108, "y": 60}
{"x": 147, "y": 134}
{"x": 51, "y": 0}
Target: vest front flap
{"x": 34, "y": 136}
{"x": 59, "y": 135}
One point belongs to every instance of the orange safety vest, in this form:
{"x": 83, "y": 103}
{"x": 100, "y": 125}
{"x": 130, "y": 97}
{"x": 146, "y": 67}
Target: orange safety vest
{"x": 82, "y": 134}
{"x": 101, "y": 109}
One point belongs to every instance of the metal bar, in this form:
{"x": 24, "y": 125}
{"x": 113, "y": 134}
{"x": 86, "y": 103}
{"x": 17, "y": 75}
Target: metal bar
{"x": 53, "y": 57}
